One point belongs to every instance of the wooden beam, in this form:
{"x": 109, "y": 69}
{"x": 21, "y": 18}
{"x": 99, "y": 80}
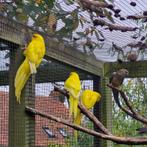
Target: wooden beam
{"x": 21, "y": 126}
{"x": 103, "y": 109}
{"x": 58, "y": 49}
{"x": 136, "y": 69}
{"x": 48, "y": 73}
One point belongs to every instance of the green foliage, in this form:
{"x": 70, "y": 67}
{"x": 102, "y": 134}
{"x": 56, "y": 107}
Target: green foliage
{"x": 123, "y": 125}
{"x": 69, "y": 16}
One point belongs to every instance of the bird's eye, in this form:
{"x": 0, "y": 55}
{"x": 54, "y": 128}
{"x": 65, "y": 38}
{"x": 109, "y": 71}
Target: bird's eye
{"x": 34, "y": 36}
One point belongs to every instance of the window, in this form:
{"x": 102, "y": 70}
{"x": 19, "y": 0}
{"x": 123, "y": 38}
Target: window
{"x": 49, "y": 132}
{"x": 63, "y": 132}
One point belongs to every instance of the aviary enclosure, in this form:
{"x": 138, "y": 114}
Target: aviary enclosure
{"x": 42, "y": 118}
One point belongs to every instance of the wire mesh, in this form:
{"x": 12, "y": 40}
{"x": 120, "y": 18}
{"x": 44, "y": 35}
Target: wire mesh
{"x": 47, "y": 132}
{"x": 26, "y": 130}
{"x": 4, "y": 92}
{"x": 17, "y": 128}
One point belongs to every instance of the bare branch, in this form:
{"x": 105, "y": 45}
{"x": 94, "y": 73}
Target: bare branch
{"x": 110, "y": 26}
{"x": 131, "y": 112}
{"x": 138, "y": 44}
{"x": 120, "y": 140}
{"x": 95, "y": 5}
{"x": 136, "y": 17}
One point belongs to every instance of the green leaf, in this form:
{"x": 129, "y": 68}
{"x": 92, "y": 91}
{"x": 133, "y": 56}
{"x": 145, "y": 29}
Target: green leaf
{"x": 23, "y": 18}
{"x": 64, "y": 32}
{"x": 50, "y": 3}
{"x": 81, "y": 22}
{"x": 107, "y": 14}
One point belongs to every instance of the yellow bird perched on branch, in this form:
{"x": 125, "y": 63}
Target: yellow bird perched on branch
{"x": 34, "y": 54}
{"x": 73, "y": 86}
{"x": 88, "y": 98}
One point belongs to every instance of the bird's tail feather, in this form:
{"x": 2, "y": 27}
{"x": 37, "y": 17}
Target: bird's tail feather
{"x": 78, "y": 122}
{"x": 75, "y": 107}
{"x": 21, "y": 78}
{"x": 116, "y": 97}
{"x": 32, "y": 68}
{"x": 71, "y": 105}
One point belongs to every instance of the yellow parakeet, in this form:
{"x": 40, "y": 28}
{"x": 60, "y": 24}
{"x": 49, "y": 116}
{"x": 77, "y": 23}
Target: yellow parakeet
{"x": 34, "y": 54}
{"x": 73, "y": 86}
{"x": 88, "y": 98}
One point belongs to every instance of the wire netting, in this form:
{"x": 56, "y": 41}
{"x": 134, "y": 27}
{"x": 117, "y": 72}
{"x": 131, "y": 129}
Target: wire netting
{"x": 38, "y": 93}
{"x": 4, "y": 92}
{"x": 48, "y": 100}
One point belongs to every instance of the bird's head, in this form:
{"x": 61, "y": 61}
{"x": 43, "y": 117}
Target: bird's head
{"x": 124, "y": 72}
{"x": 37, "y": 37}
{"x": 74, "y": 74}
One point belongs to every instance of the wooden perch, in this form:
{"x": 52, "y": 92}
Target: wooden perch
{"x": 131, "y": 112}
{"x": 120, "y": 140}
{"x": 111, "y": 27}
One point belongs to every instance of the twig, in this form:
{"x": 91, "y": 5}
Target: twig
{"x": 131, "y": 112}
{"x": 95, "y": 5}
{"x": 135, "y": 17}
{"x": 120, "y": 140}
{"x": 110, "y": 26}
{"x": 138, "y": 44}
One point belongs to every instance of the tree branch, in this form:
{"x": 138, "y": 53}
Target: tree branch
{"x": 85, "y": 111}
{"x": 95, "y": 5}
{"x": 131, "y": 112}
{"x": 138, "y": 44}
{"x": 94, "y": 119}
{"x": 136, "y": 17}
{"x": 120, "y": 140}
{"x": 111, "y": 27}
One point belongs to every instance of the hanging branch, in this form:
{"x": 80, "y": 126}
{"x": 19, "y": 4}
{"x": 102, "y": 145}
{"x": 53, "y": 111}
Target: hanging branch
{"x": 95, "y": 5}
{"x": 131, "y": 112}
{"x": 111, "y": 27}
{"x": 138, "y": 44}
{"x": 85, "y": 111}
{"x": 120, "y": 140}
{"x": 136, "y": 17}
